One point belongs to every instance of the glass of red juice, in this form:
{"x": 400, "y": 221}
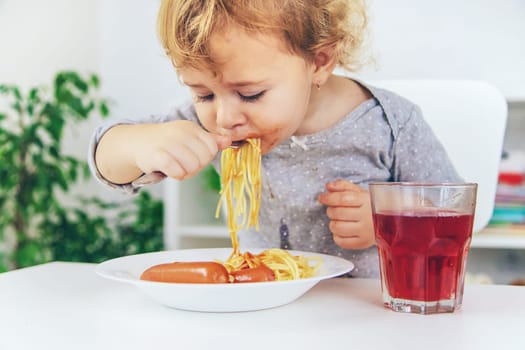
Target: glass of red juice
{"x": 423, "y": 233}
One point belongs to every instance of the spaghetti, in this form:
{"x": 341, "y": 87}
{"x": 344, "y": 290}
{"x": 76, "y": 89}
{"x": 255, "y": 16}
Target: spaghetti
{"x": 241, "y": 192}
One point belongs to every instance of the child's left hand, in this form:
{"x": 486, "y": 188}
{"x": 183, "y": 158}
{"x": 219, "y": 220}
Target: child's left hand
{"x": 350, "y": 213}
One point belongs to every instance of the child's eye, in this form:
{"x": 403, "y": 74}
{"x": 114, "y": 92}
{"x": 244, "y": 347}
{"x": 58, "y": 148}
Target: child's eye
{"x": 251, "y": 98}
{"x": 204, "y": 98}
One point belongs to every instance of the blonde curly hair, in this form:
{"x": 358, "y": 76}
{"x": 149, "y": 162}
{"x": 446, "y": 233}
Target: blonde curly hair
{"x": 185, "y": 27}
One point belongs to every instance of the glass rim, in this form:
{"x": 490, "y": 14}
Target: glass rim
{"x": 423, "y": 184}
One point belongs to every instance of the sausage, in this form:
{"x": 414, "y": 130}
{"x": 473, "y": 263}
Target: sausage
{"x": 187, "y": 272}
{"x": 261, "y": 273}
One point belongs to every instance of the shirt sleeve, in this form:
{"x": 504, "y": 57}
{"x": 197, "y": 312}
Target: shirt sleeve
{"x": 418, "y": 154}
{"x": 93, "y": 143}
{"x": 185, "y": 112}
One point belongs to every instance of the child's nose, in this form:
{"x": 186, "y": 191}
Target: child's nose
{"x": 228, "y": 115}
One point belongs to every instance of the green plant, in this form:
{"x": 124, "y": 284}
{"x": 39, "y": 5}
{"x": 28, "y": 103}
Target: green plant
{"x": 212, "y": 179}
{"x": 136, "y": 228}
{"x": 37, "y": 176}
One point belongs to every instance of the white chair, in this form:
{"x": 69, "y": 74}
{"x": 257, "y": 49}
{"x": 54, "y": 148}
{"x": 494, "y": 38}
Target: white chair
{"x": 469, "y": 117}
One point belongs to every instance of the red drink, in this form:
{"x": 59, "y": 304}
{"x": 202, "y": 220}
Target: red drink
{"x": 423, "y": 253}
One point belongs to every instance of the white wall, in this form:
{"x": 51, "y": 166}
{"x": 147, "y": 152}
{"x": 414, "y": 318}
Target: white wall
{"x": 473, "y": 39}
{"x": 136, "y": 72}
{"x": 38, "y": 38}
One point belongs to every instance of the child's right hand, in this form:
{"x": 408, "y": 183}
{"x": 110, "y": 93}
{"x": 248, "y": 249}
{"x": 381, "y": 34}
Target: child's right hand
{"x": 178, "y": 149}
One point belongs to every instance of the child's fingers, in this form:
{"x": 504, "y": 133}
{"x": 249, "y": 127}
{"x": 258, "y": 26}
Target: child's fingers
{"x": 341, "y": 198}
{"x": 222, "y": 141}
{"x": 353, "y": 242}
{"x": 343, "y": 185}
{"x": 351, "y": 235}
{"x": 167, "y": 165}
{"x": 346, "y": 213}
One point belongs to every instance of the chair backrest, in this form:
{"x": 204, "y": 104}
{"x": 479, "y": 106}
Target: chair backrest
{"x": 469, "y": 118}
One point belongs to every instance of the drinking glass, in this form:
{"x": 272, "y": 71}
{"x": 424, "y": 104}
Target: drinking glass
{"x": 423, "y": 233}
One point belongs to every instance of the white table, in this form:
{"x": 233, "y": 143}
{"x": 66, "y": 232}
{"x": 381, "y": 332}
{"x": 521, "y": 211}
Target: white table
{"x": 67, "y": 306}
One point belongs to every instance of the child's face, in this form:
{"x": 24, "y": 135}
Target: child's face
{"x": 262, "y": 90}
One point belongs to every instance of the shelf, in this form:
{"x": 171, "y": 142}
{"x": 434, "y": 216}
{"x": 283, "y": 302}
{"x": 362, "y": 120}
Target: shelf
{"x": 495, "y": 238}
{"x": 204, "y": 231}
{"x": 499, "y": 238}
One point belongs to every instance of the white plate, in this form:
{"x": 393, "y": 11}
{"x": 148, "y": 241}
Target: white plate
{"x": 216, "y": 297}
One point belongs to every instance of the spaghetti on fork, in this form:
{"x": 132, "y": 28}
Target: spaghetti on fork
{"x": 241, "y": 187}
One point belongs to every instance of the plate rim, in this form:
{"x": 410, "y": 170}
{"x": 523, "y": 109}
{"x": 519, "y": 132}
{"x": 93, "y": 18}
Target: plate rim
{"x": 99, "y": 268}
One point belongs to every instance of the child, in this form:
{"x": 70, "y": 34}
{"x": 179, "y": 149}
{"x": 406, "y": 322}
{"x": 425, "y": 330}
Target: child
{"x": 264, "y": 69}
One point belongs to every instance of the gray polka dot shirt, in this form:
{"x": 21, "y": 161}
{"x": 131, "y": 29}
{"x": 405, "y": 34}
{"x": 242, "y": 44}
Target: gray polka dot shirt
{"x": 383, "y": 139}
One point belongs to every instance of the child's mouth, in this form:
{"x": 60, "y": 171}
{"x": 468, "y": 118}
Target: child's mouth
{"x": 237, "y": 144}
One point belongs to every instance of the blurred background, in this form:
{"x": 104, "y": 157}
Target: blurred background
{"x": 115, "y": 41}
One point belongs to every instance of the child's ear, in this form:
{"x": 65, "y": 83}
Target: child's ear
{"x": 324, "y": 64}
